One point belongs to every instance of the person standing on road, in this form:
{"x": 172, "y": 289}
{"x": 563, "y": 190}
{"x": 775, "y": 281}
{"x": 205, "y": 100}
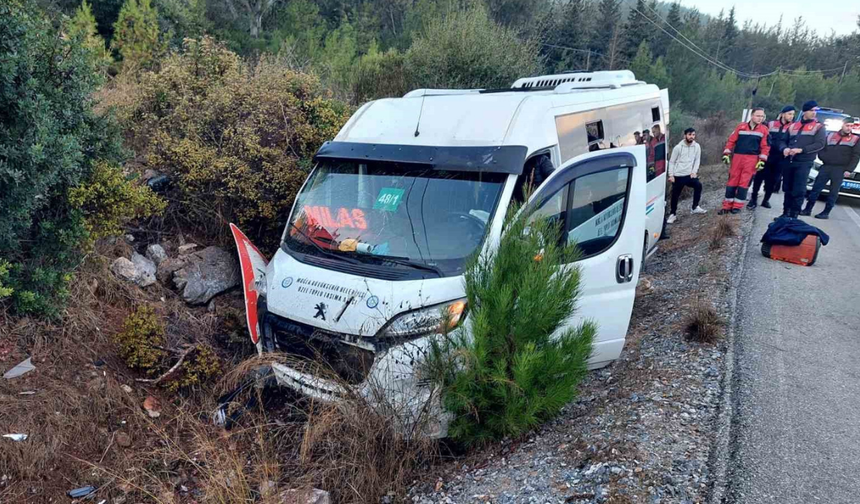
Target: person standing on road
{"x": 840, "y": 157}
{"x": 746, "y": 150}
{"x": 800, "y": 146}
{"x": 684, "y": 172}
{"x": 770, "y": 175}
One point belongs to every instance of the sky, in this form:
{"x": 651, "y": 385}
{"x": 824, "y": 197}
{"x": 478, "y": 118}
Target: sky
{"x": 840, "y": 16}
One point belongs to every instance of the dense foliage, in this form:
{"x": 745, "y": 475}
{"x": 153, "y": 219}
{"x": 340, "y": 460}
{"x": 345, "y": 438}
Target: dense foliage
{"x": 508, "y": 371}
{"x": 50, "y": 141}
{"x": 237, "y": 139}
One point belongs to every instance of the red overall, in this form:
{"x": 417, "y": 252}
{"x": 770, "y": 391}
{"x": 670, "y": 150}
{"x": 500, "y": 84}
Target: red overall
{"x": 747, "y": 145}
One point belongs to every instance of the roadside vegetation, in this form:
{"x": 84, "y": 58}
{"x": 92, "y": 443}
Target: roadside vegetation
{"x": 506, "y": 371}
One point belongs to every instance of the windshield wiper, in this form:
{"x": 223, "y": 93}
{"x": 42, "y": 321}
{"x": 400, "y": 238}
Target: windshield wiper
{"x": 412, "y": 264}
{"x": 322, "y": 250}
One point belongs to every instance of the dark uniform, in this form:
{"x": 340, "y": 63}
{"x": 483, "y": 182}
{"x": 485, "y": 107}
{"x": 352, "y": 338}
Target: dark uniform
{"x": 808, "y": 135}
{"x": 777, "y": 131}
{"x": 840, "y": 155}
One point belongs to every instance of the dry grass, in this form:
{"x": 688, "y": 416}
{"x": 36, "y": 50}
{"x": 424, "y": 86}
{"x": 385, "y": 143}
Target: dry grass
{"x": 724, "y": 227}
{"x": 703, "y": 323}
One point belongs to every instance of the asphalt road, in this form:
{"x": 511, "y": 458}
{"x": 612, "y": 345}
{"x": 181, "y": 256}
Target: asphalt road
{"x": 795, "y": 434}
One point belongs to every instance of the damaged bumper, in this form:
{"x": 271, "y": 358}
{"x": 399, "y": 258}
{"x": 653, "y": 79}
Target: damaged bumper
{"x": 387, "y": 377}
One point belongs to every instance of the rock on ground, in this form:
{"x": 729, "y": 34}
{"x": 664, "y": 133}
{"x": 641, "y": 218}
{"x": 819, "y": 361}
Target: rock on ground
{"x": 145, "y": 270}
{"x": 139, "y": 270}
{"x": 206, "y": 274}
{"x": 156, "y": 253}
{"x": 168, "y": 267}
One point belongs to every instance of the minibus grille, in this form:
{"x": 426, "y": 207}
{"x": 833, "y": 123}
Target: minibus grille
{"x": 326, "y": 355}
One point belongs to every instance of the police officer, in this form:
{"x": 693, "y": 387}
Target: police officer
{"x": 770, "y": 175}
{"x": 840, "y": 156}
{"x": 800, "y": 146}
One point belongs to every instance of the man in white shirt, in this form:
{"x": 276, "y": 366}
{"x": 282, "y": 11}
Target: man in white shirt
{"x": 684, "y": 172}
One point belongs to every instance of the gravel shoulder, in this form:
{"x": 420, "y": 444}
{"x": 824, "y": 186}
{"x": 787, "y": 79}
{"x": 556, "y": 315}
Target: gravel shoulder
{"x": 642, "y": 429}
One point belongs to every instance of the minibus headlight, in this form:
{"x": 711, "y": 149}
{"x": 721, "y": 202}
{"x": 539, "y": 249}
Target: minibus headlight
{"x": 260, "y": 285}
{"x": 431, "y": 320}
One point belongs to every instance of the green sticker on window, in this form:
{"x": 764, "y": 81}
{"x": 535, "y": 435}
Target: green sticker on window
{"x": 389, "y": 199}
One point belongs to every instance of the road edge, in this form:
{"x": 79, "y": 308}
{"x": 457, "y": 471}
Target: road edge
{"x": 720, "y": 451}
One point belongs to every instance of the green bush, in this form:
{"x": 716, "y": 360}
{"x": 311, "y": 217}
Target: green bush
{"x": 505, "y": 372}
{"x": 237, "y": 140}
{"x": 141, "y": 341}
{"x": 466, "y": 49}
{"x": 108, "y": 200}
{"x": 49, "y": 141}
{"x": 82, "y": 27}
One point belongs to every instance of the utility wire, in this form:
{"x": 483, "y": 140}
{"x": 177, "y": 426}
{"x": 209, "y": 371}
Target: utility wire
{"x": 723, "y": 65}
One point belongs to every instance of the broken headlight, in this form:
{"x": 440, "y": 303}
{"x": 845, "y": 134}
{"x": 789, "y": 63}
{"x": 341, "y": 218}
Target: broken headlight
{"x": 435, "y": 319}
{"x": 260, "y": 284}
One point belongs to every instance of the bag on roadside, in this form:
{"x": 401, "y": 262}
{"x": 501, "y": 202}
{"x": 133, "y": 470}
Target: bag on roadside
{"x": 804, "y": 254}
{"x": 794, "y": 241}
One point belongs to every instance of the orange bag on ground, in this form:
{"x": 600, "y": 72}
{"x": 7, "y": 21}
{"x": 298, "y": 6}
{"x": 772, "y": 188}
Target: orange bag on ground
{"x": 804, "y": 254}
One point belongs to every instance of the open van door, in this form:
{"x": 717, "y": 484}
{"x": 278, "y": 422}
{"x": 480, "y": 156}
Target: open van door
{"x": 600, "y": 198}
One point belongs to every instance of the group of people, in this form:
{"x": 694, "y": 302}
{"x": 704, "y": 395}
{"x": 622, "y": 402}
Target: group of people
{"x": 762, "y": 154}
{"x": 655, "y": 142}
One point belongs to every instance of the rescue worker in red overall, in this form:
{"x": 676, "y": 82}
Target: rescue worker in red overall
{"x": 770, "y": 175}
{"x": 800, "y": 147}
{"x": 747, "y": 151}
{"x": 840, "y": 157}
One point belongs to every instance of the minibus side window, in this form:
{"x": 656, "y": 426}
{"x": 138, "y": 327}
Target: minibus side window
{"x": 553, "y": 209}
{"x": 597, "y": 210}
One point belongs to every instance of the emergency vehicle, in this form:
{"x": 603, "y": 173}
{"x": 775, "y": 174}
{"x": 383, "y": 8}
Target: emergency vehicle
{"x": 380, "y": 234}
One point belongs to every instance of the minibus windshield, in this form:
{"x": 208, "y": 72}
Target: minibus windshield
{"x": 398, "y": 215}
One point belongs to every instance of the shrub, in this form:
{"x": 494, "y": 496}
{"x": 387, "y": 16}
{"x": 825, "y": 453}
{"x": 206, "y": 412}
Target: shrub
{"x": 703, "y": 324}
{"x": 109, "y": 199}
{"x": 237, "y": 140}
{"x": 136, "y": 35}
{"x": 4, "y": 273}
{"x": 725, "y": 228}
{"x": 466, "y": 49}
{"x": 505, "y": 372}
{"x": 201, "y": 366}
{"x": 381, "y": 75}
{"x": 49, "y": 140}
{"x": 141, "y": 340}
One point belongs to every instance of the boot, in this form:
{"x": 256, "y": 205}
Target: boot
{"x": 735, "y": 211}
{"x": 823, "y": 215}
{"x": 806, "y": 212}
{"x": 765, "y": 203}
{"x": 753, "y": 202}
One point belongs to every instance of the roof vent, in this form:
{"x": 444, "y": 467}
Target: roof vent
{"x": 586, "y": 80}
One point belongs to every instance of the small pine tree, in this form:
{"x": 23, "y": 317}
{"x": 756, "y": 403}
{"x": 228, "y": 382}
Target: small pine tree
{"x": 136, "y": 36}
{"x": 83, "y": 27}
{"x": 507, "y": 371}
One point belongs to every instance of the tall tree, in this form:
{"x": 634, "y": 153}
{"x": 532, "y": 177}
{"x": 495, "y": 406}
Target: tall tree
{"x": 571, "y": 37}
{"x": 663, "y": 40}
{"x": 607, "y": 29}
{"x": 638, "y": 29}
{"x": 83, "y": 27}
{"x": 253, "y": 11}
{"x": 730, "y": 36}
{"x": 136, "y": 35}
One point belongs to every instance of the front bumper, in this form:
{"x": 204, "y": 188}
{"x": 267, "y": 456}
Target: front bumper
{"x": 850, "y": 187}
{"x": 336, "y": 368}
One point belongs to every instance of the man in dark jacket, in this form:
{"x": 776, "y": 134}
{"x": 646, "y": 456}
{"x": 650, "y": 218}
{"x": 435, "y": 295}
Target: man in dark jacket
{"x": 840, "y": 157}
{"x": 804, "y": 140}
{"x": 777, "y": 130}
